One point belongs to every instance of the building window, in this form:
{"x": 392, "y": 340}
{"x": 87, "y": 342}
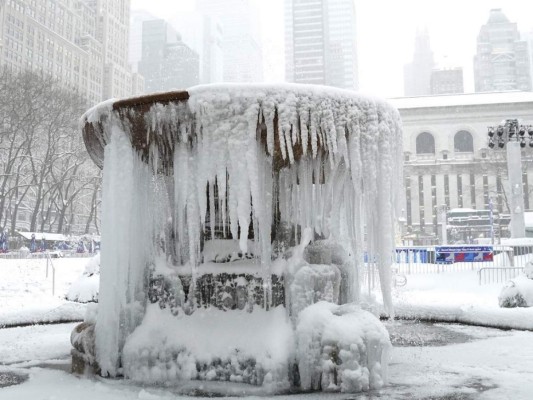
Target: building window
{"x": 460, "y": 191}
{"x": 486, "y": 190}
{"x": 447, "y": 191}
{"x": 463, "y": 142}
{"x": 408, "y": 200}
{"x": 425, "y": 143}
{"x": 434, "y": 203}
{"x": 421, "y": 200}
{"x": 473, "y": 190}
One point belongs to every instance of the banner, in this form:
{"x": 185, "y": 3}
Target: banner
{"x": 454, "y": 254}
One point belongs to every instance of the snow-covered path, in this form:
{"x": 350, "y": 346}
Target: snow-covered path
{"x": 493, "y": 365}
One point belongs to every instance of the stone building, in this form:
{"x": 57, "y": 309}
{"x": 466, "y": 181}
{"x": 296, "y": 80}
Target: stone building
{"x": 447, "y": 161}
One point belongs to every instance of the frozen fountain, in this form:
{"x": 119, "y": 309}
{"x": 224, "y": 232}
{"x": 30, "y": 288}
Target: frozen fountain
{"x": 236, "y": 219}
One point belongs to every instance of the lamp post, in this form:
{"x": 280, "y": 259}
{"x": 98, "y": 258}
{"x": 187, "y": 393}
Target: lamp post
{"x": 513, "y": 134}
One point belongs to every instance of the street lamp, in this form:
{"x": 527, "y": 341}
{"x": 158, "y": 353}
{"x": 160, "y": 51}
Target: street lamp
{"x": 513, "y": 134}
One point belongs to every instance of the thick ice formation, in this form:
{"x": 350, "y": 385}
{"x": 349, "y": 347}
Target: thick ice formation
{"x": 341, "y": 346}
{"x": 240, "y": 158}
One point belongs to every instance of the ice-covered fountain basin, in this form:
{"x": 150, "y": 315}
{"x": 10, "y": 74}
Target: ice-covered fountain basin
{"x": 283, "y": 167}
{"x": 295, "y": 120}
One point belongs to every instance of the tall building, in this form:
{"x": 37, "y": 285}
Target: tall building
{"x": 241, "y": 40}
{"x": 446, "y": 81}
{"x": 320, "y": 42}
{"x": 502, "y": 59}
{"x": 417, "y": 74}
{"x": 167, "y": 63}
{"x": 137, "y": 17}
{"x": 82, "y": 43}
{"x": 529, "y": 40}
{"x": 204, "y": 34}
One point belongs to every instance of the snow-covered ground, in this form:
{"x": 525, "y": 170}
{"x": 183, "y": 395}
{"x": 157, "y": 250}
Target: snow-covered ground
{"x": 26, "y": 290}
{"x": 489, "y": 364}
{"x": 458, "y": 297}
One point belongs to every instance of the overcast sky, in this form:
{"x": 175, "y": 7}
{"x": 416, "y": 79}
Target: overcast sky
{"x": 386, "y": 31}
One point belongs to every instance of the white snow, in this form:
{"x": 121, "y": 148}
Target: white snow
{"x": 26, "y": 290}
{"x": 244, "y": 347}
{"x": 496, "y": 365}
{"x": 521, "y": 287}
{"x": 85, "y": 288}
{"x": 354, "y": 337}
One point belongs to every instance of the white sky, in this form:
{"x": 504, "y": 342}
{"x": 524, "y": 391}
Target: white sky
{"x": 386, "y": 33}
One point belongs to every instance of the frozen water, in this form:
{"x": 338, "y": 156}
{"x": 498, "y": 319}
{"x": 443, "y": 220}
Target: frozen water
{"x": 242, "y": 162}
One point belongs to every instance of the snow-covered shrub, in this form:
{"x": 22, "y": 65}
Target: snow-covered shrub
{"x": 518, "y": 292}
{"x": 341, "y": 348}
{"x": 528, "y": 270}
{"x": 85, "y": 288}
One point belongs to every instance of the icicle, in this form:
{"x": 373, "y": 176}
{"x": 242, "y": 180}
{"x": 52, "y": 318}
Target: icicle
{"x": 212, "y": 209}
{"x": 304, "y": 132}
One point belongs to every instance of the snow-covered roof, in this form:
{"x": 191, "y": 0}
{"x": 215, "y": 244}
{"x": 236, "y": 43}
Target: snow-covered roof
{"x": 467, "y": 99}
{"x": 44, "y": 235}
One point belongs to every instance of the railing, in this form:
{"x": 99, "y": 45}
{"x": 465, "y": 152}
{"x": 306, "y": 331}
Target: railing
{"x": 497, "y": 274}
{"x": 508, "y": 261}
{"x": 16, "y": 255}
{"x": 49, "y": 262}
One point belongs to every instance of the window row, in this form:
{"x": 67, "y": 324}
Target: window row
{"x": 463, "y": 142}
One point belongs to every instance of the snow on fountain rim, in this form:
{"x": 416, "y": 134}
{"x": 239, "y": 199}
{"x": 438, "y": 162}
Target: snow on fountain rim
{"x": 257, "y": 90}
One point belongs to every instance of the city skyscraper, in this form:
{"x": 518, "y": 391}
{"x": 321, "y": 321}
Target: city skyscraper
{"x": 502, "y": 59}
{"x": 83, "y": 44}
{"x": 204, "y": 34}
{"x": 447, "y": 81}
{"x": 320, "y": 42}
{"x": 167, "y": 63}
{"x": 241, "y": 39}
{"x": 417, "y": 74}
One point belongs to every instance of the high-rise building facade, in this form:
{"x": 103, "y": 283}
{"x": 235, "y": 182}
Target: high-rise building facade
{"x": 204, "y": 34}
{"x": 447, "y": 81}
{"x": 167, "y": 63}
{"x": 502, "y": 59}
{"x": 82, "y": 43}
{"x": 241, "y": 40}
{"x": 320, "y": 42}
{"x": 417, "y": 74}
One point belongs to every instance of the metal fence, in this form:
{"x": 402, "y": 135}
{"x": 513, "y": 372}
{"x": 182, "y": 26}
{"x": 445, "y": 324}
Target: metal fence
{"x": 12, "y": 255}
{"x": 498, "y": 274}
{"x": 508, "y": 261}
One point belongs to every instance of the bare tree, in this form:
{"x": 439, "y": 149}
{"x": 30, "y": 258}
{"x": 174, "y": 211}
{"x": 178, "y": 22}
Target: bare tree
{"x": 45, "y": 169}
